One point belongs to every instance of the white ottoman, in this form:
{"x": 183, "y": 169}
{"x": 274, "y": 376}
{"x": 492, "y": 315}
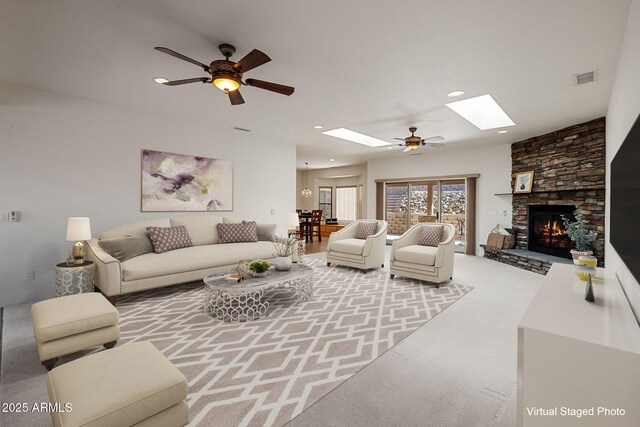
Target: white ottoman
{"x": 72, "y": 323}
{"x": 130, "y": 385}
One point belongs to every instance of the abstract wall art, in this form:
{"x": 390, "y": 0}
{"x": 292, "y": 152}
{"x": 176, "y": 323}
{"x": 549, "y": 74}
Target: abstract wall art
{"x": 178, "y": 182}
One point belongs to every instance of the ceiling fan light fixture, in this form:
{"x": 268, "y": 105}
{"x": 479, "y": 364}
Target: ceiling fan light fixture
{"x": 226, "y": 83}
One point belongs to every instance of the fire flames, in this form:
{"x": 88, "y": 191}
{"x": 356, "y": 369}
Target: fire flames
{"x": 551, "y": 233}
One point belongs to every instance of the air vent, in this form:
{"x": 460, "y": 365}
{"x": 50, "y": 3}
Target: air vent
{"x": 242, "y": 129}
{"x": 434, "y": 138}
{"x": 584, "y": 78}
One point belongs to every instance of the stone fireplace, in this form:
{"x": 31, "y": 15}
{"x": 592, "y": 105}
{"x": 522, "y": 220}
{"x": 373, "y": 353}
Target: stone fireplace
{"x": 569, "y": 173}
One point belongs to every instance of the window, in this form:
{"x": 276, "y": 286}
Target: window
{"x": 324, "y": 195}
{"x": 346, "y": 203}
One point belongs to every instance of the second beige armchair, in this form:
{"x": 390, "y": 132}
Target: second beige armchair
{"x": 429, "y": 263}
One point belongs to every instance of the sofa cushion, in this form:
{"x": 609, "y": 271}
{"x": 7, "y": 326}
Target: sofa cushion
{"x": 194, "y": 258}
{"x": 417, "y": 254}
{"x": 202, "y": 229}
{"x": 135, "y": 228}
{"x": 127, "y": 247}
{"x": 166, "y": 239}
{"x": 239, "y": 232}
{"x": 366, "y": 229}
{"x": 266, "y": 232}
{"x": 431, "y": 235}
{"x": 350, "y": 246}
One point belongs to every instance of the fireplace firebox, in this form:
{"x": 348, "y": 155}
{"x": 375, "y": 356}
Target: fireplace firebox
{"x": 546, "y": 232}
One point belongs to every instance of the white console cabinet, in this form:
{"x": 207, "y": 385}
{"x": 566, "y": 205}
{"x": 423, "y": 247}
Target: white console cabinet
{"x": 578, "y": 362}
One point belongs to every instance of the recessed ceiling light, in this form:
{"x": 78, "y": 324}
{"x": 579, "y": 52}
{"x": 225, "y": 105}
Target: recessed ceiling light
{"x": 359, "y": 138}
{"x": 332, "y": 160}
{"x": 160, "y": 80}
{"x": 317, "y": 127}
{"x": 455, "y": 93}
{"x": 482, "y": 111}
{"x": 503, "y": 131}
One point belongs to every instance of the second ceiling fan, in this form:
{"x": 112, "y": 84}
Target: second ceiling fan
{"x": 414, "y": 142}
{"x": 227, "y": 75}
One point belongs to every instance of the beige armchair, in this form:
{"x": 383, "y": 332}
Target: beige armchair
{"x": 343, "y": 248}
{"x": 429, "y": 263}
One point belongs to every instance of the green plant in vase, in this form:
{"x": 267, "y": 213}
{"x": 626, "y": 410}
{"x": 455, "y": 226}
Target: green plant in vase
{"x": 259, "y": 267}
{"x": 578, "y": 233}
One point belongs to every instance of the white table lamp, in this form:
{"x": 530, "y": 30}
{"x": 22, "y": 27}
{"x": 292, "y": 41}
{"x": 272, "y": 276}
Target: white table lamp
{"x": 291, "y": 221}
{"x": 78, "y": 230}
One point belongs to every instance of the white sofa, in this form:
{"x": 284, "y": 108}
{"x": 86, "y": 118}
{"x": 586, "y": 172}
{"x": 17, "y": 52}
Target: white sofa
{"x": 367, "y": 253}
{"x": 429, "y": 263}
{"x": 152, "y": 270}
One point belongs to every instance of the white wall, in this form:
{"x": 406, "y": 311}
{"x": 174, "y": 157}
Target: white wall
{"x": 492, "y": 163}
{"x": 64, "y": 156}
{"x": 624, "y": 107}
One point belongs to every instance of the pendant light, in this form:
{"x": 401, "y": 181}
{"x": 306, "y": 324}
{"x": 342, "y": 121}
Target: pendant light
{"x": 306, "y": 193}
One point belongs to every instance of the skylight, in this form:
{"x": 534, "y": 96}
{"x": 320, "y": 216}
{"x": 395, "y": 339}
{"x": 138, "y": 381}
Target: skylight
{"x": 482, "y": 111}
{"x": 359, "y": 138}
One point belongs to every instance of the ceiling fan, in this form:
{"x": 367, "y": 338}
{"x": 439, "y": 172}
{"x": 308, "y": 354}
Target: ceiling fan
{"x": 227, "y": 75}
{"x": 414, "y": 142}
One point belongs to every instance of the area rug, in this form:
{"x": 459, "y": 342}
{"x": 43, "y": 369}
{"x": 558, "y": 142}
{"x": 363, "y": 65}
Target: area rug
{"x": 265, "y": 372}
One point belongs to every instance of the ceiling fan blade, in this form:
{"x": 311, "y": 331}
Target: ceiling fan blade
{"x": 406, "y": 149}
{"x": 273, "y": 87}
{"x": 253, "y": 59}
{"x": 235, "y": 97}
{"x": 435, "y": 144}
{"x": 186, "y": 81}
{"x": 399, "y": 139}
{"x": 181, "y": 56}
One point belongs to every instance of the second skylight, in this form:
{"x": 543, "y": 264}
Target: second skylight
{"x": 359, "y": 138}
{"x": 482, "y": 111}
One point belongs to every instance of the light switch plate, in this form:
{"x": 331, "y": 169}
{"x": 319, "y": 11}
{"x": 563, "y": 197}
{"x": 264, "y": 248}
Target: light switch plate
{"x": 4, "y": 216}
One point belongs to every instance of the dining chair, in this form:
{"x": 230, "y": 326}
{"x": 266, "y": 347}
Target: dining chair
{"x": 316, "y": 219}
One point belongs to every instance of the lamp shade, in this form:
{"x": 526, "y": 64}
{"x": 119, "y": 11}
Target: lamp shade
{"x": 291, "y": 219}
{"x": 78, "y": 228}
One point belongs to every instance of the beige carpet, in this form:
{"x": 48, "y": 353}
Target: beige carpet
{"x": 267, "y": 371}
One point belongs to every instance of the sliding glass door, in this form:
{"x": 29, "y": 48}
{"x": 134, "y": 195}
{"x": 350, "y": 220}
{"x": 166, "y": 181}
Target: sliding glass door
{"x": 412, "y": 202}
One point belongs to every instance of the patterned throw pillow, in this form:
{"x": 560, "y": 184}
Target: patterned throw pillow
{"x": 366, "y": 229}
{"x": 236, "y": 233}
{"x": 431, "y": 235}
{"x": 166, "y": 239}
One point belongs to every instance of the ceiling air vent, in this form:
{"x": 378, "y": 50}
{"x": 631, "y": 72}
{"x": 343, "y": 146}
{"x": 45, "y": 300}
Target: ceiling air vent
{"x": 242, "y": 129}
{"x": 584, "y": 78}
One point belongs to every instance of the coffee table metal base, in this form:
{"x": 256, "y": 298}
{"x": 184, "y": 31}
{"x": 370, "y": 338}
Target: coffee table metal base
{"x": 232, "y": 305}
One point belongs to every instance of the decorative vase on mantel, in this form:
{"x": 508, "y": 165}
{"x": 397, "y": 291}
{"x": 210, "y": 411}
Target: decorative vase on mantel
{"x": 282, "y": 263}
{"x": 576, "y": 254}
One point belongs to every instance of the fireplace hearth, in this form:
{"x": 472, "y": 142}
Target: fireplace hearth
{"x": 546, "y": 231}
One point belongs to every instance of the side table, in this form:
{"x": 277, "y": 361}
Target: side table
{"x": 74, "y": 278}
{"x": 298, "y": 250}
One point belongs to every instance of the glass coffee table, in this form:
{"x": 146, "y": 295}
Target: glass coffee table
{"x": 233, "y": 302}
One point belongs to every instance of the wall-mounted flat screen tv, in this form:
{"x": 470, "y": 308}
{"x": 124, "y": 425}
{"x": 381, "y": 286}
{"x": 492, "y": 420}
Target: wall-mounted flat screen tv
{"x": 625, "y": 200}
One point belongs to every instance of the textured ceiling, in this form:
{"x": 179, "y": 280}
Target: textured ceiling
{"x": 375, "y": 67}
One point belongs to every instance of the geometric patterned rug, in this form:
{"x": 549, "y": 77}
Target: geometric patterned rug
{"x": 265, "y": 372}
